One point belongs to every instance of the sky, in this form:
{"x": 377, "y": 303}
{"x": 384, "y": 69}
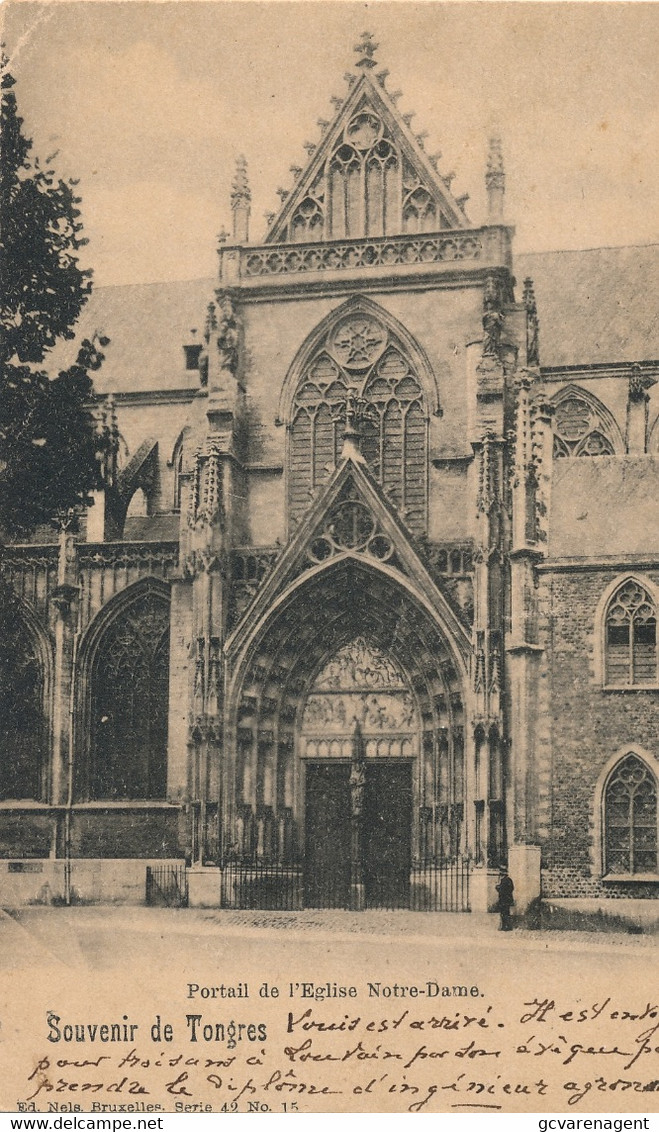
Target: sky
{"x": 150, "y": 103}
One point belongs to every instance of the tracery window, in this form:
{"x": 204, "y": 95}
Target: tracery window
{"x": 579, "y": 430}
{"x": 631, "y": 637}
{"x": 130, "y": 695}
{"x": 365, "y": 188}
{"x": 630, "y": 819}
{"x": 359, "y": 355}
{"x": 23, "y": 746}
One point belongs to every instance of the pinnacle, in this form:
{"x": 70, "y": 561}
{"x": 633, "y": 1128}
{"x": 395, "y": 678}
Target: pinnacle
{"x": 240, "y": 191}
{"x": 495, "y": 155}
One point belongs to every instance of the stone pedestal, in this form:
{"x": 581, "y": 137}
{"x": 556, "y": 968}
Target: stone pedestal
{"x": 524, "y": 868}
{"x": 204, "y": 887}
{"x": 482, "y": 889}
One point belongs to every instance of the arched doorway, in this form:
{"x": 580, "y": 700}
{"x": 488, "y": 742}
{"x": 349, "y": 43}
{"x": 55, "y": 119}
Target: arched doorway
{"x": 394, "y": 672}
{"x": 360, "y": 709}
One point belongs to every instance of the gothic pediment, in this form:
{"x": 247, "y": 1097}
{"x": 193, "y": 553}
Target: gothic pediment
{"x": 368, "y": 177}
{"x": 351, "y": 518}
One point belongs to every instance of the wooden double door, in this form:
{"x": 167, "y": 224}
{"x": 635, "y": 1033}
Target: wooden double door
{"x": 384, "y": 841}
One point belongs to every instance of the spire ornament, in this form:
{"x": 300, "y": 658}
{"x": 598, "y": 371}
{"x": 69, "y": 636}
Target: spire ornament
{"x": 532, "y": 324}
{"x": 240, "y": 190}
{"x": 365, "y": 51}
{"x": 495, "y": 180}
{"x": 241, "y": 198}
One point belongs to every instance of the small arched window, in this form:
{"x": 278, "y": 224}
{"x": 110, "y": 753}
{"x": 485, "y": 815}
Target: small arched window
{"x": 631, "y": 637}
{"x": 580, "y": 428}
{"x": 630, "y": 819}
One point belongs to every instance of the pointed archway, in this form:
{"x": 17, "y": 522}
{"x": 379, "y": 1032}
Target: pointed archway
{"x": 407, "y": 690}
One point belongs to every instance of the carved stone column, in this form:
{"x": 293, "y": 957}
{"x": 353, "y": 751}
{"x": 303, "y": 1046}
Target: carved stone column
{"x": 637, "y": 411}
{"x": 357, "y": 786}
{"x": 64, "y": 602}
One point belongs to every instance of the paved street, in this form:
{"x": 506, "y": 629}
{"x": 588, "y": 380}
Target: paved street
{"x": 101, "y": 937}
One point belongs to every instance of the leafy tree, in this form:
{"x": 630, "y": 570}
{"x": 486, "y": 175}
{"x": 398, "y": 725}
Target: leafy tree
{"x": 50, "y": 446}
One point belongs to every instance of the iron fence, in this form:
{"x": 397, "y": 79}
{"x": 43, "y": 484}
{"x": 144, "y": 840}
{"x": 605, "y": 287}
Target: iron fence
{"x": 259, "y": 884}
{"x": 440, "y": 886}
{"x": 428, "y": 886}
{"x": 167, "y": 885}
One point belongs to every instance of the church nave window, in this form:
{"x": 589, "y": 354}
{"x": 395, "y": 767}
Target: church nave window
{"x": 630, "y": 819}
{"x": 631, "y": 637}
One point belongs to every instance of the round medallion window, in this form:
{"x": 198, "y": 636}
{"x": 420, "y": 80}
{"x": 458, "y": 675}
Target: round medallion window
{"x": 364, "y": 130}
{"x": 358, "y": 342}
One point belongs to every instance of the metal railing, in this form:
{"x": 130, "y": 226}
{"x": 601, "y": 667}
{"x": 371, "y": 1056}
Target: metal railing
{"x": 427, "y": 886}
{"x": 167, "y": 885}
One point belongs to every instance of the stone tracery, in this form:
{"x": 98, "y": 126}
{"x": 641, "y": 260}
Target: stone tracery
{"x": 360, "y": 357}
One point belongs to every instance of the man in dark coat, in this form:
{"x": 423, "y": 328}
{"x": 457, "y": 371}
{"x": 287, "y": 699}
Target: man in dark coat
{"x": 505, "y": 888}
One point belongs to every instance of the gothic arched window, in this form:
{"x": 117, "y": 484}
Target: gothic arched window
{"x": 180, "y": 464}
{"x": 631, "y": 637}
{"x": 580, "y": 429}
{"x": 630, "y": 819}
{"x": 23, "y": 733}
{"x": 130, "y": 696}
{"x": 360, "y": 356}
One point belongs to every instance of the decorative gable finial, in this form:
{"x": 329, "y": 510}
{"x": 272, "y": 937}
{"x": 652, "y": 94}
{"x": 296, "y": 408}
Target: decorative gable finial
{"x": 495, "y": 179}
{"x": 365, "y": 51}
{"x": 240, "y": 201}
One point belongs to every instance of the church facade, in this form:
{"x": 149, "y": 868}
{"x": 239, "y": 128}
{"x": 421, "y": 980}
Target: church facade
{"x": 368, "y": 606}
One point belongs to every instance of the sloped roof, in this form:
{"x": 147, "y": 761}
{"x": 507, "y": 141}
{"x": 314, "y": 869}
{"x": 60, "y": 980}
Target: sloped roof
{"x": 595, "y": 306}
{"x": 599, "y": 305}
{"x": 605, "y": 505}
{"x": 148, "y": 325}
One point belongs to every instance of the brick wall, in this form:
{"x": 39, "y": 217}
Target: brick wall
{"x": 586, "y": 727}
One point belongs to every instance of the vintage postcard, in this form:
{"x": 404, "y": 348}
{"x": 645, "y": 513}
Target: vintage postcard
{"x": 329, "y": 762}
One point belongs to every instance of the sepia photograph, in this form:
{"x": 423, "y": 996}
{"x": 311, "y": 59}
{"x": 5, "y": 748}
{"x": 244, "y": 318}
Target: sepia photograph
{"x": 329, "y": 558}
